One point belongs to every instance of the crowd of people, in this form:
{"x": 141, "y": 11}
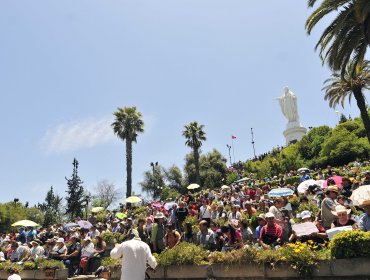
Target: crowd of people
{"x": 219, "y": 220}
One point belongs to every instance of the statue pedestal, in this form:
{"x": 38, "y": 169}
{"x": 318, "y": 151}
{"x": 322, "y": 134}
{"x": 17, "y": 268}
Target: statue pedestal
{"x": 293, "y": 134}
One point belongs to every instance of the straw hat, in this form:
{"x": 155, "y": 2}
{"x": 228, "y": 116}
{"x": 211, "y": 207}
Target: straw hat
{"x": 332, "y": 189}
{"x": 340, "y": 209}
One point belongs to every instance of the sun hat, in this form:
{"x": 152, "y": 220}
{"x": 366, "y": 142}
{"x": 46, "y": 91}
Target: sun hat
{"x": 365, "y": 203}
{"x": 340, "y": 209}
{"x": 262, "y": 216}
{"x": 159, "y": 215}
{"x": 305, "y": 214}
{"x": 269, "y": 215}
{"x": 60, "y": 240}
{"x": 332, "y": 189}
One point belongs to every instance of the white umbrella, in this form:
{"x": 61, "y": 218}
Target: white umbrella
{"x": 224, "y": 187}
{"x": 242, "y": 180}
{"x": 84, "y": 224}
{"x": 302, "y": 187}
{"x": 303, "y": 169}
{"x": 193, "y": 186}
{"x": 25, "y": 223}
{"x": 360, "y": 195}
{"x": 133, "y": 199}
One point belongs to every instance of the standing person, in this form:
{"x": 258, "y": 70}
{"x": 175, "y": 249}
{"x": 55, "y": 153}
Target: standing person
{"x": 135, "y": 256}
{"x": 181, "y": 214}
{"x": 328, "y": 205}
{"x": 205, "y": 212}
{"x": 158, "y": 232}
{"x": 172, "y": 236}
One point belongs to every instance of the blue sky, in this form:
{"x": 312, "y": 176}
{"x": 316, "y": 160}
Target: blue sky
{"x": 65, "y": 66}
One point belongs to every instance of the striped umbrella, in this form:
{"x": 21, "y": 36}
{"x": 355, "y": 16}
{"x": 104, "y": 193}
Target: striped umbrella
{"x": 279, "y": 192}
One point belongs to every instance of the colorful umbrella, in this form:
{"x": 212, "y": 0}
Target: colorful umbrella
{"x": 97, "y": 209}
{"x": 279, "y": 192}
{"x": 84, "y": 224}
{"x": 360, "y": 195}
{"x": 193, "y": 186}
{"x": 337, "y": 180}
{"x": 157, "y": 204}
{"x": 120, "y": 215}
{"x": 69, "y": 225}
{"x": 133, "y": 199}
{"x": 25, "y": 223}
{"x": 302, "y": 187}
{"x": 169, "y": 205}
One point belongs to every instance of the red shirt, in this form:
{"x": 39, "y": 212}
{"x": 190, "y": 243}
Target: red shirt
{"x": 274, "y": 230}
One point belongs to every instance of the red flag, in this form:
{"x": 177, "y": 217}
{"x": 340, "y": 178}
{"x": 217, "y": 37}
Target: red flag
{"x": 233, "y": 137}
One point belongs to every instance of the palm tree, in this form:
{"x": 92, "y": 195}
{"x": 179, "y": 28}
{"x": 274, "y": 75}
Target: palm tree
{"x": 194, "y": 135}
{"x": 347, "y": 36}
{"x": 352, "y": 82}
{"x": 128, "y": 123}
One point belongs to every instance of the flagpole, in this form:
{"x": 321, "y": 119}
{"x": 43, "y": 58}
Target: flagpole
{"x": 232, "y": 144}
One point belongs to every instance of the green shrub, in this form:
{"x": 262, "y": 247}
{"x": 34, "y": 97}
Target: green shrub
{"x": 7, "y": 266}
{"x": 108, "y": 237}
{"x": 30, "y": 266}
{"x": 243, "y": 256}
{"x": 291, "y": 180}
{"x": 184, "y": 253}
{"x": 49, "y": 264}
{"x": 194, "y": 223}
{"x": 111, "y": 263}
{"x": 350, "y": 244}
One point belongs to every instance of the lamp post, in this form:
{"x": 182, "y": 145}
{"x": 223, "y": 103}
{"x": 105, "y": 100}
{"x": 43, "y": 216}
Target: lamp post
{"x": 15, "y": 201}
{"x": 254, "y": 150}
{"x": 87, "y": 198}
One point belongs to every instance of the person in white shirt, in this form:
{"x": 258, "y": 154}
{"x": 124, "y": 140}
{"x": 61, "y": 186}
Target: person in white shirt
{"x": 37, "y": 251}
{"x": 205, "y": 212}
{"x": 135, "y": 256}
{"x": 14, "y": 274}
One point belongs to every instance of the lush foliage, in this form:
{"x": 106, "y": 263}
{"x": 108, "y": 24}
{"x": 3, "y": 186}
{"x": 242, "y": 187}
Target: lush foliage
{"x": 111, "y": 263}
{"x": 49, "y": 264}
{"x": 350, "y": 244}
{"x": 184, "y": 253}
{"x": 10, "y": 212}
{"x": 51, "y": 208}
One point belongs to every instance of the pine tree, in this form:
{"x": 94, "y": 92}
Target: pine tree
{"x": 75, "y": 194}
{"x": 51, "y": 208}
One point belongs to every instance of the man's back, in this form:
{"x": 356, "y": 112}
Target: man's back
{"x": 135, "y": 256}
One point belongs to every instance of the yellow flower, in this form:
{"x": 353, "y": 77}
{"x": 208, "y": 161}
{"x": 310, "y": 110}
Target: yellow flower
{"x": 298, "y": 243}
{"x": 310, "y": 242}
{"x": 301, "y": 247}
{"x": 297, "y": 250}
{"x": 315, "y": 247}
{"x": 291, "y": 245}
{"x": 283, "y": 258}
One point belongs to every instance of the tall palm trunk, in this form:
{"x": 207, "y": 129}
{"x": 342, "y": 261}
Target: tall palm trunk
{"x": 197, "y": 169}
{"x": 361, "y": 104}
{"x": 128, "y": 167}
{"x": 367, "y": 29}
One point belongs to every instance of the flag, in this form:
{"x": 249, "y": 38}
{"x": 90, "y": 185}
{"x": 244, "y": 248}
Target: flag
{"x": 233, "y": 137}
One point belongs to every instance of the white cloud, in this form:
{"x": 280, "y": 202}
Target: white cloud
{"x": 75, "y": 135}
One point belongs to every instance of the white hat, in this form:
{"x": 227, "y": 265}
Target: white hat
{"x": 340, "y": 209}
{"x": 220, "y": 204}
{"x": 269, "y": 215}
{"x": 305, "y": 214}
{"x": 61, "y": 240}
{"x": 159, "y": 215}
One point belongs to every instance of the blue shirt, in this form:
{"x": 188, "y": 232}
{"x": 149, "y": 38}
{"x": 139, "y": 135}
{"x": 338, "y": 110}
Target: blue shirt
{"x": 364, "y": 223}
{"x": 305, "y": 178}
{"x": 258, "y": 230}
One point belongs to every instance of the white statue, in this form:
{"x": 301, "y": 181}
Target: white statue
{"x": 288, "y": 105}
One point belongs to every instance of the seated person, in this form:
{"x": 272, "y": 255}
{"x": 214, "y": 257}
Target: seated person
{"x": 73, "y": 256}
{"x": 205, "y": 236}
{"x": 37, "y": 251}
{"x": 172, "y": 237}
{"x": 343, "y": 218}
{"x": 87, "y": 251}
{"x": 233, "y": 238}
{"x": 58, "y": 251}
{"x": 271, "y": 234}
{"x": 20, "y": 253}
{"x": 316, "y": 237}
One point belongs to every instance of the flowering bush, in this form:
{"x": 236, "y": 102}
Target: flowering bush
{"x": 246, "y": 255}
{"x": 350, "y": 244}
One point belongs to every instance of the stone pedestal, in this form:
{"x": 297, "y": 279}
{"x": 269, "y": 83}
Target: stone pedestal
{"x": 293, "y": 134}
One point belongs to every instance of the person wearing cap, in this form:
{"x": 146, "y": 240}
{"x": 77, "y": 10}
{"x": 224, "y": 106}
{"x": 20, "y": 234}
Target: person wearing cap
{"x": 221, "y": 213}
{"x": 305, "y": 176}
{"x": 59, "y": 250}
{"x": 271, "y": 234}
{"x": 37, "y": 251}
{"x": 235, "y": 213}
{"x": 328, "y": 205}
{"x": 261, "y": 223}
{"x": 316, "y": 237}
{"x": 158, "y": 232}
{"x": 135, "y": 256}
{"x": 343, "y": 218}
{"x": 364, "y": 219}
